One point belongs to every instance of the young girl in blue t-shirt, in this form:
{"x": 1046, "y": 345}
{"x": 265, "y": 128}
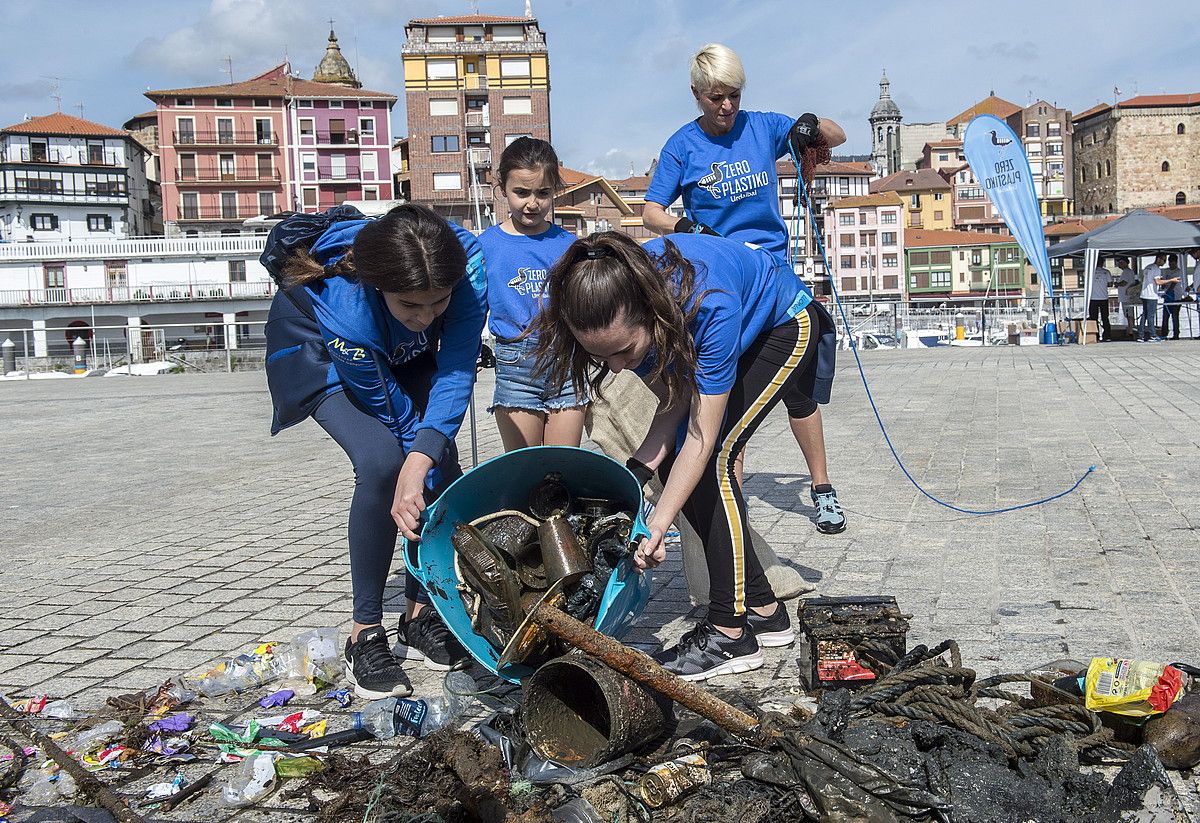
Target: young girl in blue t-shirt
{"x": 721, "y": 338}
{"x": 530, "y": 410}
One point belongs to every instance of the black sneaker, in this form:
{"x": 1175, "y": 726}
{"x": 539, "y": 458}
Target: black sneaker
{"x": 704, "y": 652}
{"x": 372, "y": 669}
{"x": 774, "y": 631}
{"x": 427, "y": 638}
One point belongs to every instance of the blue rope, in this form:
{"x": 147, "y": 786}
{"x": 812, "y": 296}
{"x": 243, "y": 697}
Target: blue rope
{"x": 862, "y": 374}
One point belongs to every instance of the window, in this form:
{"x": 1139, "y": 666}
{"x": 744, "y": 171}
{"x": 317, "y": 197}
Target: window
{"x": 99, "y": 222}
{"x": 308, "y": 164}
{"x": 863, "y": 216}
{"x": 1107, "y": 168}
{"x": 370, "y": 166}
{"x": 336, "y": 104}
{"x": 1165, "y": 166}
{"x": 1034, "y": 149}
{"x": 887, "y": 238}
{"x": 443, "y": 108}
{"x": 943, "y": 157}
{"x": 919, "y": 258}
{"x": 518, "y": 105}
{"x": 44, "y": 222}
{"x": 370, "y": 192}
{"x": 262, "y": 130}
{"x": 976, "y": 257}
{"x": 1053, "y": 129}
{"x": 889, "y": 261}
{"x": 264, "y": 166}
{"x": 1180, "y": 199}
{"x": 225, "y": 130}
{"x": 237, "y": 271}
{"x": 226, "y": 166}
{"x": 509, "y": 139}
{"x": 366, "y": 129}
{"x": 185, "y": 102}
{"x": 847, "y": 261}
{"x": 224, "y": 102}
{"x": 1054, "y": 149}
{"x": 1179, "y": 129}
{"x": 262, "y": 102}
{"x": 308, "y": 197}
{"x": 54, "y": 275}
{"x": 849, "y": 284}
{"x": 888, "y": 217}
{"x": 937, "y": 195}
{"x": 847, "y": 239}
{"x": 229, "y": 207}
{"x": 915, "y": 201}
{"x": 514, "y": 66}
{"x": 337, "y": 167}
{"x": 846, "y": 219}
{"x": 1032, "y": 130}
{"x": 304, "y": 104}
{"x": 447, "y": 180}
{"x": 189, "y": 203}
{"x": 938, "y": 215}
{"x": 843, "y": 185}
{"x": 441, "y": 69}
{"x": 115, "y": 274}
{"x": 444, "y": 143}
{"x": 185, "y": 130}
{"x": 307, "y": 128}
{"x": 266, "y": 202}
{"x": 939, "y": 279}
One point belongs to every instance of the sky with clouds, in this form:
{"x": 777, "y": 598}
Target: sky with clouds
{"x": 619, "y": 68}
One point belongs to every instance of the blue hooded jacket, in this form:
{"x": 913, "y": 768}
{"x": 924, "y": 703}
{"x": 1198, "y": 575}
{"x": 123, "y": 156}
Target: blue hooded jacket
{"x": 335, "y": 334}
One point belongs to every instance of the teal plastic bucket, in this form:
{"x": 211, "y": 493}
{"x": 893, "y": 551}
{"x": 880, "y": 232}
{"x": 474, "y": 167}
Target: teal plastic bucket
{"x": 504, "y": 482}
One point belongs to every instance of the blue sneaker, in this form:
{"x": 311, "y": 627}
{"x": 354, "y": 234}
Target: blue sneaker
{"x": 830, "y": 519}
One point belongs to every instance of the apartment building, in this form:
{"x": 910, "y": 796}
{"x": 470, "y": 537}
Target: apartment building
{"x": 865, "y": 240}
{"x": 1138, "y": 153}
{"x": 1045, "y": 131}
{"x": 472, "y": 84}
{"x": 939, "y": 264}
{"x": 65, "y": 178}
{"x": 928, "y": 197}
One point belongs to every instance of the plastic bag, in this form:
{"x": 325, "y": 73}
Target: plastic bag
{"x": 1135, "y": 688}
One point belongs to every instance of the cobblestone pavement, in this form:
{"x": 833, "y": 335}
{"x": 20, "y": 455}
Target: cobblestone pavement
{"x": 152, "y": 525}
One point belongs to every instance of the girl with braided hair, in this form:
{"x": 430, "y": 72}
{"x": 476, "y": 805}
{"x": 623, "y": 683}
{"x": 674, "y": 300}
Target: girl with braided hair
{"x": 376, "y": 336}
{"x": 721, "y": 338}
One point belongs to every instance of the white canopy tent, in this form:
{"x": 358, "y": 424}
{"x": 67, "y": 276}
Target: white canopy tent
{"x": 1136, "y": 233}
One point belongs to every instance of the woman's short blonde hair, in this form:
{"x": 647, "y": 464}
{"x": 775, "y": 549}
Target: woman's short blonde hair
{"x": 717, "y": 65}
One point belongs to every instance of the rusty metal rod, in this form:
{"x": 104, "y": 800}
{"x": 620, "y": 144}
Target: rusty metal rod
{"x": 87, "y": 783}
{"x": 641, "y": 667}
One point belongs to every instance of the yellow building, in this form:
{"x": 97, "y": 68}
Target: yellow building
{"x": 928, "y": 198}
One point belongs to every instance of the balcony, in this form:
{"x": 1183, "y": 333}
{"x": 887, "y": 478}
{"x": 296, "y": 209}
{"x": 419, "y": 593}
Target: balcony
{"x": 58, "y": 194}
{"x": 219, "y": 213}
{"x": 480, "y": 157}
{"x": 235, "y": 176}
{"x": 223, "y": 138}
{"x": 126, "y": 248}
{"x": 328, "y": 173}
{"x": 70, "y": 158}
{"x": 478, "y": 120}
{"x": 337, "y": 138}
{"x": 158, "y": 293}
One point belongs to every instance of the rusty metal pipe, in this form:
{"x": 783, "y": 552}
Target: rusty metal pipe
{"x": 641, "y": 667}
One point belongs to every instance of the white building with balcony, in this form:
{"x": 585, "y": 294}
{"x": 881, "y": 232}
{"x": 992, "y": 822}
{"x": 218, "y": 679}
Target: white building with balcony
{"x": 64, "y": 178}
{"x": 127, "y": 294}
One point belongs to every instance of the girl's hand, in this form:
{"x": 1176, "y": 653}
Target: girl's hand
{"x": 409, "y": 502}
{"x": 651, "y": 551}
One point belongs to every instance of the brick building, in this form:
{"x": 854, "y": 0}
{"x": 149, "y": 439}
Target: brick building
{"x": 473, "y": 84}
{"x": 1045, "y": 131}
{"x": 1140, "y": 152}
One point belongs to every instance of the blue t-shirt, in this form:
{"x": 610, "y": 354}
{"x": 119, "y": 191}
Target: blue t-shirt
{"x": 748, "y": 292}
{"x": 728, "y": 182}
{"x": 517, "y": 266}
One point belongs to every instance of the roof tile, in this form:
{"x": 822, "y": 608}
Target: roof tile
{"x": 63, "y": 124}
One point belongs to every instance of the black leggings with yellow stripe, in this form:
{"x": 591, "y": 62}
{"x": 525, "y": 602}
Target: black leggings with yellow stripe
{"x": 717, "y": 509}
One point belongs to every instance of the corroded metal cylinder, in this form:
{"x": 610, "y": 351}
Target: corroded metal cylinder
{"x": 579, "y": 712}
{"x": 564, "y": 559}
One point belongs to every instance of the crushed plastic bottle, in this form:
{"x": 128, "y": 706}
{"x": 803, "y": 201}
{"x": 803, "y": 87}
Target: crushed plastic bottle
{"x": 98, "y": 735}
{"x": 253, "y": 781}
{"x": 60, "y": 710}
{"x": 384, "y": 719}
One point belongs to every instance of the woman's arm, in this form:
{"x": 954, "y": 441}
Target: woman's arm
{"x": 656, "y": 219}
{"x": 834, "y": 134}
{"x": 660, "y": 437}
{"x": 707, "y": 414}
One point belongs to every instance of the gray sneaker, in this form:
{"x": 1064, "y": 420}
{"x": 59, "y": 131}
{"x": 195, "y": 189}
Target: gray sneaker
{"x": 830, "y": 519}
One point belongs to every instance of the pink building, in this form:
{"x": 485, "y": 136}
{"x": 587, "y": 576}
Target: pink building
{"x": 272, "y": 143}
{"x": 865, "y": 241}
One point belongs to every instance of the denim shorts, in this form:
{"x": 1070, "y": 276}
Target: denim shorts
{"x": 519, "y": 387}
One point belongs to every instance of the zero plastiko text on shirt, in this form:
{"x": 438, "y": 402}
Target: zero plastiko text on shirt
{"x": 734, "y": 180}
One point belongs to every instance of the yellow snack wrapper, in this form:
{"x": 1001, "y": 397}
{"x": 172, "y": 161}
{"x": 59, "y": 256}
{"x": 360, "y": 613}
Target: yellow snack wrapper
{"x": 1135, "y": 688}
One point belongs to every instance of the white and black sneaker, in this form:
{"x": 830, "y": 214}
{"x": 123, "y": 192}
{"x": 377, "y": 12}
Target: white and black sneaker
{"x": 372, "y": 669}
{"x": 705, "y": 652}
{"x": 773, "y": 631}
{"x": 428, "y": 639}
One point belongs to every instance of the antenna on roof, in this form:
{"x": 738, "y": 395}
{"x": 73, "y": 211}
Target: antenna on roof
{"x": 79, "y": 106}
{"x": 474, "y": 4}
{"x": 56, "y": 88}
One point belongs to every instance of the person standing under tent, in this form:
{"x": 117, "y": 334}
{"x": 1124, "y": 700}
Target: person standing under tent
{"x": 722, "y": 165}
{"x": 1172, "y": 296}
{"x": 1152, "y": 283}
{"x": 1127, "y": 293}
{"x": 1098, "y": 301}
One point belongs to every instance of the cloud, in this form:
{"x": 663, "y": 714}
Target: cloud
{"x": 38, "y": 90}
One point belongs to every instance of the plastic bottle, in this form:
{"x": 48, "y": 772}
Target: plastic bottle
{"x": 254, "y": 779}
{"x": 92, "y": 738}
{"x": 393, "y": 716}
{"x": 60, "y": 710}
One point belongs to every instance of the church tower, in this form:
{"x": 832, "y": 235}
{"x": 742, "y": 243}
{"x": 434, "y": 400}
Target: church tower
{"x": 333, "y": 67}
{"x": 885, "y": 130}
